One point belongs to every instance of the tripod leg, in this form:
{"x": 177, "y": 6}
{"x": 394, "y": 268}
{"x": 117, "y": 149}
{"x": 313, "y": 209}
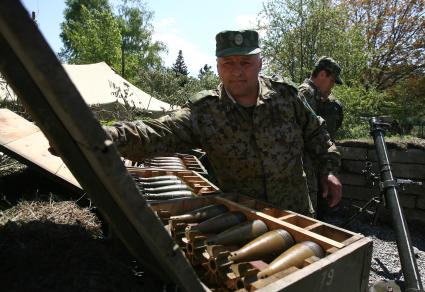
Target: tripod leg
{"x": 379, "y": 209}
{"x": 360, "y": 210}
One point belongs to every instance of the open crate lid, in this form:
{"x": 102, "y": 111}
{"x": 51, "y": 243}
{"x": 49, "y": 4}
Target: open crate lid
{"x": 36, "y": 75}
{"x": 25, "y": 142}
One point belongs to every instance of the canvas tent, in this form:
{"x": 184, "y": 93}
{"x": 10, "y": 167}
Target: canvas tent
{"x": 100, "y": 85}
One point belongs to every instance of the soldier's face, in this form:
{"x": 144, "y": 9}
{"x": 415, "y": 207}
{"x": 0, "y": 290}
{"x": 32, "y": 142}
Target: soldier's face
{"x": 239, "y": 74}
{"x": 325, "y": 83}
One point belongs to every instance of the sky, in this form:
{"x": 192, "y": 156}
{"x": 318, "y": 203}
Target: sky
{"x": 187, "y": 25}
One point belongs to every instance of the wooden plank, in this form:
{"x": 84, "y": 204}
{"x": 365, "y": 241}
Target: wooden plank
{"x": 414, "y": 189}
{"x": 26, "y": 143}
{"x": 300, "y": 221}
{"x": 353, "y": 179}
{"x": 344, "y": 270}
{"x": 415, "y": 156}
{"x": 420, "y": 203}
{"x": 297, "y": 232}
{"x": 287, "y": 216}
{"x": 364, "y": 194}
{"x": 199, "y": 184}
{"x": 349, "y": 179}
{"x": 353, "y": 153}
{"x": 14, "y": 127}
{"x": 347, "y": 265}
{"x": 315, "y": 225}
{"x": 34, "y": 148}
{"x": 412, "y": 171}
{"x": 355, "y": 166}
{"x": 415, "y": 215}
{"x": 407, "y": 201}
{"x": 40, "y": 81}
{"x": 359, "y": 193}
{"x": 64, "y": 173}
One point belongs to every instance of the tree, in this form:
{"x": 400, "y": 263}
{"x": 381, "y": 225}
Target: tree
{"x": 207, "y": 78}
{"x": 298, "y": 32}
{"x": 90, "y": 33}
{"x": 395, "y": 38}
{"x": 204, "y": 71}
{"x": 179, "y": 67}
{"x": 138, "y": 50}
{"x": 176, "y": 89}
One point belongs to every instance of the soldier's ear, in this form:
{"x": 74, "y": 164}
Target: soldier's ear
{"x": 218, "y": 68}
{"x": 260, "y": 63}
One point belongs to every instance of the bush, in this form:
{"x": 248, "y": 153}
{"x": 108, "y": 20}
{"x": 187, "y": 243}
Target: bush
{"x": 359, "y": 105}
{"x": 173, "y": 88}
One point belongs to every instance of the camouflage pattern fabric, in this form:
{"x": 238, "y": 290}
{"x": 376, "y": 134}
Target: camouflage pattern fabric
{"x": 256, "y": 153}
{"x": 331, "y": 111}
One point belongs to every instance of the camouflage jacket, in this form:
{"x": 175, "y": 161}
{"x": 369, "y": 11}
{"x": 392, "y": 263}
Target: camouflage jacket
{"x": 257, "y": 152}
{"x": 330, "y": 109}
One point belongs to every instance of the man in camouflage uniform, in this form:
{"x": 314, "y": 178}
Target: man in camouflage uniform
{"x": 316, "y": 91}
{"x": 254, "y": 129}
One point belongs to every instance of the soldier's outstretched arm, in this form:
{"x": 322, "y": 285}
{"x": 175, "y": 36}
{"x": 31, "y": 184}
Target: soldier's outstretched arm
{"x": 142, "y": 139}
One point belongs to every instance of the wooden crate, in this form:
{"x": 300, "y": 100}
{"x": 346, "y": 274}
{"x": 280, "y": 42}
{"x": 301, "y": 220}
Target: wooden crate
{"x": 344, "y": 268}
{"x": 200, "y": 185}
{"x": 189, "y": 162}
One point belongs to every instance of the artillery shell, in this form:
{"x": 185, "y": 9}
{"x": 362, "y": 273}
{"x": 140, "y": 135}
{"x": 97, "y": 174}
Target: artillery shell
{"x": 157, "y": 178}
{"x": 161, "y": 183}
{"x": 220, "y": 222}
{"x": 265, "y": 247}
{"x": 172, "y": 188}
{"x": 201, "y": 214}
{"x": 169, "y": 195}
{"x": 294, "y": 256}
{"x": 239, "y": 234}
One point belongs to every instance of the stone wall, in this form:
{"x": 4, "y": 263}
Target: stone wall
{"x": 407, "y": 161}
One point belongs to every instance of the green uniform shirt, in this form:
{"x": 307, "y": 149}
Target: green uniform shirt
{"x": 257, "y": 154}
{"x": 331, "y": 111}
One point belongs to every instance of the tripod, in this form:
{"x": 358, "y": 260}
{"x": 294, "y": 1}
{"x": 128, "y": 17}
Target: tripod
{"x": 377, "y": 202}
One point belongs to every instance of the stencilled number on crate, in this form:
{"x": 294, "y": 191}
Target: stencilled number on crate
{"x": 327, "y": 278}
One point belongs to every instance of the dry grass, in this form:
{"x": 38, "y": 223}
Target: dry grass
{"x": 59, "y": 246}
{"x": 66, "y": 212}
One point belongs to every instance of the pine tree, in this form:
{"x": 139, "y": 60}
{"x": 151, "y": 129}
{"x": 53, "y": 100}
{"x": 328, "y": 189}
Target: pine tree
{"x": 204, "y": 71}
{"x": 179, "y": 67}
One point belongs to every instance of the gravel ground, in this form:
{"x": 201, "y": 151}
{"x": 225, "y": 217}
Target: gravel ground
{"x": 385, "y": 259}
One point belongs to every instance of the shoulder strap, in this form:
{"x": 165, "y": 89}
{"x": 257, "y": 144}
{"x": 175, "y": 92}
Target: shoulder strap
{"x": 202, "y": 95}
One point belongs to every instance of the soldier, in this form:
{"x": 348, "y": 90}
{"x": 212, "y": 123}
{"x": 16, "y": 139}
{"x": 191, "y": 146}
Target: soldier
{"x": 316, "y": 91}
{"x": 254, "y": 130}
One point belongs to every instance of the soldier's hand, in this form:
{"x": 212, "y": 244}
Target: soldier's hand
{"x": 331, "y": 189}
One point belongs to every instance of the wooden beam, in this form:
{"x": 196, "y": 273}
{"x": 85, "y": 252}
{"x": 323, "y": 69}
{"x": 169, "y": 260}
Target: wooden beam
{"x": 36, "y": 75}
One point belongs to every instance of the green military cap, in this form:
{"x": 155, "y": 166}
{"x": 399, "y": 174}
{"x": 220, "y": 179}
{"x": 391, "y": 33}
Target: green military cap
{"x": 236, "y": 43}
{"x": 329, "y": 64}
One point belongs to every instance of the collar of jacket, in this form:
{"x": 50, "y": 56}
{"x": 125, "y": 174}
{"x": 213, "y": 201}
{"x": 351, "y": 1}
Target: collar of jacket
{"x": 265, "y": 92}
{"x": 317, "y": 94}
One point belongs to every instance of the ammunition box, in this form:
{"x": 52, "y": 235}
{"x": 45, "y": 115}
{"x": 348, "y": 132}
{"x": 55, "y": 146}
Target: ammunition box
{"x": 344, "y": 267}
